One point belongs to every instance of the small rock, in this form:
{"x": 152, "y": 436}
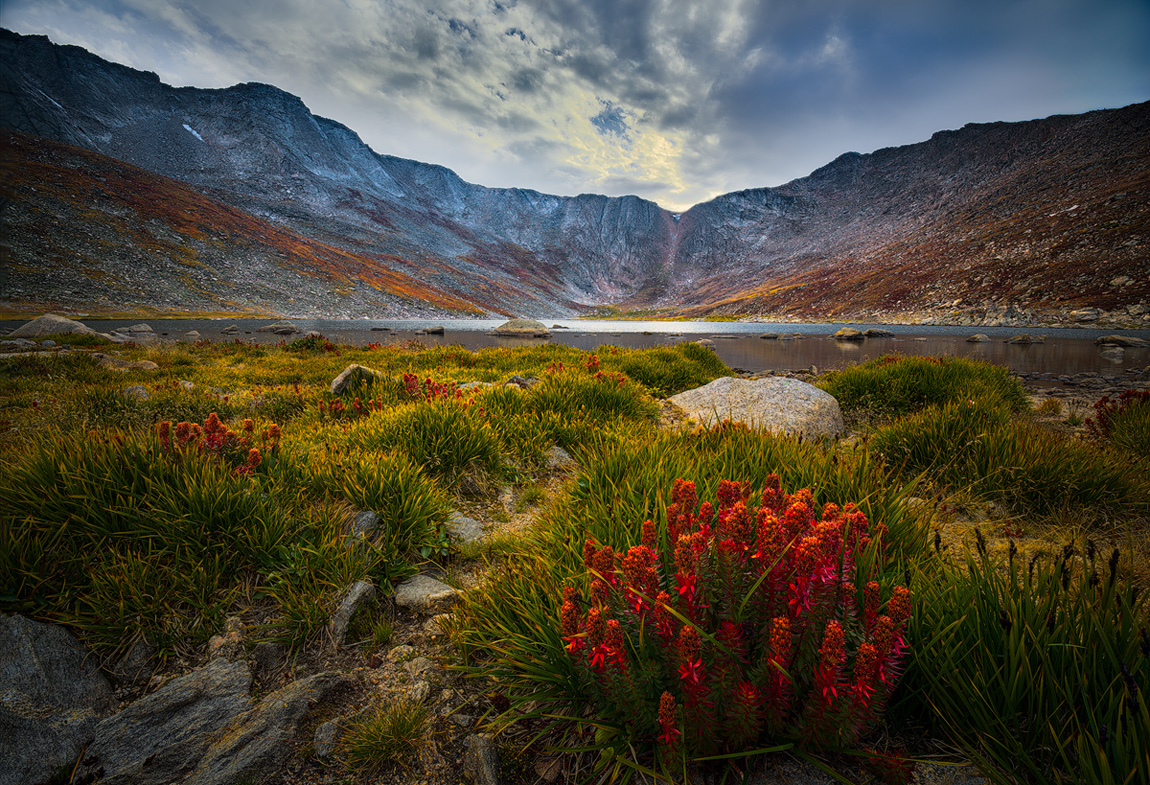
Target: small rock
{"x": 193, "y": 335}
{"x": 418, "y": 666}
{"x": 849, "y": 334}
{"x": 185, "y": 384}
{"x": 279, "y": 328}
{"x": 559, "y": 459}
{"x": 138, "y": 392}
{"x": 1086, "y": 315}
{"x": 360, "y": 593}
{"x": 47, "y": 344}
{"x": 232, "y": 329}
{"x": 978, "y": 338}
{"x": 436, "y": 330}
{"x": 1114, "y": 354}
{"x": 481, "y": 760}
{"x": 877, "y": 332}
{"x": 426, "y": 595}
{"x": 351, "y": 376}
{"x": 401, "y": 652}
{"x": 325, "y": 738}
{"x": 770, "y": 336}
{"x": 463, "y": 529}
{"x": 49, "y": 324}
{"x": 524, "y": 382}
{"x": 230, "y": 644}
{"x": 419, "y": 691}
{"x": 364, "y": 524}
{"x": 706, "y": 342}
{"x": 1121, "y": 340}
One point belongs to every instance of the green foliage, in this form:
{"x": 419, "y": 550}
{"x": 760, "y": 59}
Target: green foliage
{"x": 1125, "y": 423}
{"x": 388, "y": 734}
{"x": 967, "y": 445}
{"x": 899, "y": 385}
{"x": 665, "y": 370}
{"x": 446, "y": 437}
{"x": 1039, "y": 670}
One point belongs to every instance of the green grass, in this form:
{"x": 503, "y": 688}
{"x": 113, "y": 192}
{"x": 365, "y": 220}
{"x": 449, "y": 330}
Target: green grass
{"x": 386, "y": 734}
{"x": 971, "y": 446}
{"x": 1034, "y": 667}
{"x": 898, "y": 385}
{"x": 117, "y": 537}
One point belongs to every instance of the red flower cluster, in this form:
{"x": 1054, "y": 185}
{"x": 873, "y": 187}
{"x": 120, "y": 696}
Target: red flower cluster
{"x": 753, "y": 615}
{"x": 215, "y": 440}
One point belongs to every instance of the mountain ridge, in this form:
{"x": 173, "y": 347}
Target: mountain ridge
{"x": 838, "y": 231}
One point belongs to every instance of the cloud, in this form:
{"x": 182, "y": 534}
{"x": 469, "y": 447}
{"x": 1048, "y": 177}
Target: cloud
{"x": 673, "y": 100}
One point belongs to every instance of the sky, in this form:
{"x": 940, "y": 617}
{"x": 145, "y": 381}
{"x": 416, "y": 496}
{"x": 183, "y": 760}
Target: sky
{"x": 671, "y": 100}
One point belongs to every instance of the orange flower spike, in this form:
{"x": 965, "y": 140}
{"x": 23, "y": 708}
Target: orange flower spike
{"x": 781, "y": 640}
{"x": 649, "y": 539}
{"x": 883, "y": 635}
{"x": 898, "y": 607}
{"x": 871, "y": 602}
{"x": 569, "y": 618}
{"x": 600, "y": 593}
{"x": 570, "y": 594}
{"x": 596, "y": 627}
{"x": 249, "y": 427}
{"x": 689, "y": 643}
{"x": 614, "y": 636}
{"x": 684, "y": 555}
{"x": 866, "y": 665}
{"x": 832, "y": 653}
{"x": 589, "y": 551}
{"x": 605, "y": 562}
{"x": 668, "y": 712}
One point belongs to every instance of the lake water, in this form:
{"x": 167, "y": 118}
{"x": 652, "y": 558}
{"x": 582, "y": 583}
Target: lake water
{"x": 1066, "y": 351}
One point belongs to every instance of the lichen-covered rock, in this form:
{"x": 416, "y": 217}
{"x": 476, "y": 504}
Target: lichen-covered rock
{"x": 425, "y": 594}
{"x": 849, "y": 334}
{"x": 259, "y": 740}
{"x": 978, "y": 338}
{"x": 52, "y": 697}
{"x": 774, "y": 403}
{"x": 163, "y": 735}
{"x": 360, "y": 593}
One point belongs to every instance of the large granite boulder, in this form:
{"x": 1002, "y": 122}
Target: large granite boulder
{"x": 775, "y": 403}
{"x": 52, "y": 696}
{"x": 164, "y": 735}
{"x": 522, "y": 328}
{"x": 49, "y": 324}
{"x": 258, "y": 741}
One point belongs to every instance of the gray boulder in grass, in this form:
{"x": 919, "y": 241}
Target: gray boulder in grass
{"x": 778, "y": 404}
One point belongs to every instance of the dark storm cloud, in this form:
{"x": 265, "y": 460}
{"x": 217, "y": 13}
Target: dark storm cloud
{"x": 676, "y": 100}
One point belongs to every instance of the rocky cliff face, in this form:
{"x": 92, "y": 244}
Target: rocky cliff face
{"x": 1040, "y": 215}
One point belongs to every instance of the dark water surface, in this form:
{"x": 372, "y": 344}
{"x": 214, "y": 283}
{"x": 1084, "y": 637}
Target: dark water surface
{"x": 1066, "y": 351}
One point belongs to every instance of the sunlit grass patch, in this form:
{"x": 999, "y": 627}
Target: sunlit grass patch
{"x": 897, "y": 385}
{"x": 388, "y": 733}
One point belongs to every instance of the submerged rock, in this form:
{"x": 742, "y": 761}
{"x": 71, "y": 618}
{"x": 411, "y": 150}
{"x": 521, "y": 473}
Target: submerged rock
{"x": 774, "y": 403}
